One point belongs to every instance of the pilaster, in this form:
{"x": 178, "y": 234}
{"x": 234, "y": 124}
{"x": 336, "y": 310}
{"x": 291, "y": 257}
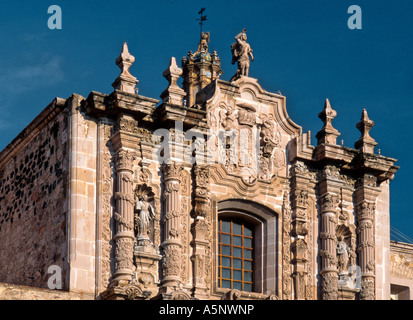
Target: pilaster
{"x": 365, "y": 198}
{"x": 171, "y": 246}
{"x": 201, "y": 230}
{"x": 329, "y": 188}
{"x": 124, "y": 142}
{"x": 300, "y": 230}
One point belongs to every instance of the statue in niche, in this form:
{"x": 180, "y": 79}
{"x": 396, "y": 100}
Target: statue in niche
{"x": 241, "y": 53}
{"x": 342, "y": 256}
{"x": 144, "y": 214}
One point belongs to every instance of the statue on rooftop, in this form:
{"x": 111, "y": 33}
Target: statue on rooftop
{"x": 241, "y": 53}
{"x": 203, "y": 43}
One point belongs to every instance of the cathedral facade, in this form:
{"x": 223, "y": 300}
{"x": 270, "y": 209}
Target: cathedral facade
{"x": 210, "y": 193}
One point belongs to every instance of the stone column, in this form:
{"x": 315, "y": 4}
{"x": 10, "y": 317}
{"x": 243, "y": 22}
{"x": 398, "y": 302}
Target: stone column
{"x": 201, "y": 230}
{"x": 365, "y": 195}
{"x": 124, "y": 142}
{"x": 172, "y": 246}
{"x": 329, "y": 272}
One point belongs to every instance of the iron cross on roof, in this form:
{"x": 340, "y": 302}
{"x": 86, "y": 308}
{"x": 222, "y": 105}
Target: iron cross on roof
{"x": 202, "y": 18}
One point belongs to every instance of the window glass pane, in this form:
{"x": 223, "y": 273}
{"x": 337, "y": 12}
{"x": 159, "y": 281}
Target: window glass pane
{"x": 225, "y": 238}
{"x": 236, "y": 241}
{"x": 248, "y": 265}
{"x": 247, "y": 242}
{"x": 236, "y": 245}
{"x": 237, "y": 285}
{"x": 247, "y": 232}
{"x": 226, "y": 284}
{"x": 237, "y": 263}
{"x": 225, "y": 250}
{"x": 237, "y": 252}
{"x": 247, "y": 287}
{"x": 237, "y": 275}
{"x": 226, "y": 273}
{"x": 226, "y": 226}
{"x": 226, "y": 262}
{"x": 236, "y": 228}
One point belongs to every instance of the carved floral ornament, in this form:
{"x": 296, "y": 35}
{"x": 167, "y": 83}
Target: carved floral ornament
{"x": 202, "y": 176}
{"x": 127, "y": 124}
{"x": 329, "y": 202}
{"x": 329, "y": 286}
{"x": 172, "y": 170}
{"x": 299, "y": 168}
{"x": 365, "y": 210}
{"x": 123, "y": 260}
{"x": 124, "y": 159}
{"x": 301, "y": 198}
{"x": 367, "y": 181}
{"x": 172, "y": 260}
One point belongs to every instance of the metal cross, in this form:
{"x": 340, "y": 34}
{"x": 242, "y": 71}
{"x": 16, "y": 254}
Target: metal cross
{"x": 202, "y": 19}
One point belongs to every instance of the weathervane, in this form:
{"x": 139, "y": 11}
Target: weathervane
{"x": 202, "y": 19}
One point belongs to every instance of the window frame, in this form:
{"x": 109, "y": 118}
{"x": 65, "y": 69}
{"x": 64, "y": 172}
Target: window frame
{"x": 266, "y": 244}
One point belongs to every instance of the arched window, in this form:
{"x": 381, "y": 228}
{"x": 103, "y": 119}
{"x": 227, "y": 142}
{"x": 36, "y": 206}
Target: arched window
{"x": 246, "y": 247}
{"x": 236, "y": 254}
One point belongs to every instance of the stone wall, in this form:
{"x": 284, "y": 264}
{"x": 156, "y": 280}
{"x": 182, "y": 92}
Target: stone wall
{"x": 401, "y": 271}
{"x": 401, "y": 261}
{"x": 33, "y": 206}
{"x": 16, "y": 292}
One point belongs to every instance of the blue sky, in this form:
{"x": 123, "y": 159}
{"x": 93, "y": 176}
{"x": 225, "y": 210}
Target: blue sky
{"x": 302, "y": 48}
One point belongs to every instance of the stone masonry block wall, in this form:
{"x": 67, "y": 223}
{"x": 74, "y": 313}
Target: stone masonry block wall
{"x": 16, "y": 292}
{"x": 401, "y": 261}
{"x": 33, "y": 204}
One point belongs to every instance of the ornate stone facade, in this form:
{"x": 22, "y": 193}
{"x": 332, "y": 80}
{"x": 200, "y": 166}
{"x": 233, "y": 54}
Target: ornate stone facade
{"x": 147, "y": 185}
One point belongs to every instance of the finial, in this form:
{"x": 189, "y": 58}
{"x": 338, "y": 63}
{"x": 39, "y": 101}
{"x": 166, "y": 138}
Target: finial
{"x": 328, "y": 134}
{"x": 173, "y": 94}
{"x": 125, "y": 82}
{"x": 365, "y": 143}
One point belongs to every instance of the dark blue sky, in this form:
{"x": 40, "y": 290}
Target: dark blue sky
{"x": 302, "y": 48}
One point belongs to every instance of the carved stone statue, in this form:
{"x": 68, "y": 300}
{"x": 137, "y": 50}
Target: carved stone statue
{"x": 241, "y": 53}
{"x": 203, "y": 43}
{"x": 144, "y": 213}
{"x": 342, "y": 255}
